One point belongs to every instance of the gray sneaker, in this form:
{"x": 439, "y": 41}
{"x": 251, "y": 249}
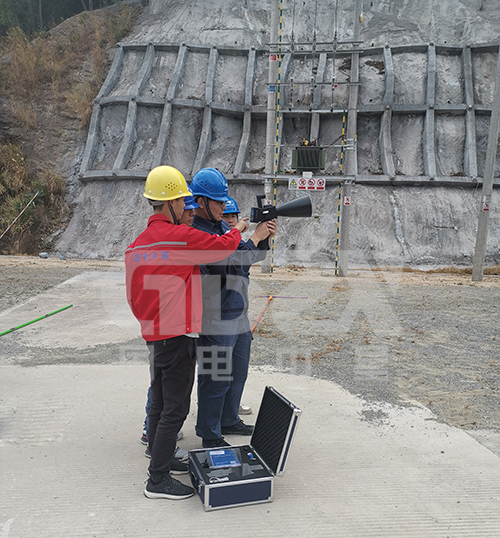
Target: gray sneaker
{"x": 180, "y": 455}
{"x": 168, "y": 488}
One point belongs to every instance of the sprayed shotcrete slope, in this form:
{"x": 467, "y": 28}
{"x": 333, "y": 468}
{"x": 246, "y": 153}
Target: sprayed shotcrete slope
{"x": 190, "y": 85}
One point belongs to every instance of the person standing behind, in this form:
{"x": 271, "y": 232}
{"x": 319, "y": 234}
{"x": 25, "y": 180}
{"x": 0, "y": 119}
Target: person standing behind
{"x": 231, "y": 215}
{"x": 231, "y": 212}
{"x": 225, "y": 327}
{"x": 164, "y": 293}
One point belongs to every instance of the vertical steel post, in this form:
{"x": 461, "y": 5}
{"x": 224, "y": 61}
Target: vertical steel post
{"x": 271, "y": 90}
{"x": 272, "y": 80}
{"x": 485, "y": 205}
{"x": 351, "y": 161}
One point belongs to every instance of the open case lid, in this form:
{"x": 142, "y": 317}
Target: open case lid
{"x": 274, "y": 430}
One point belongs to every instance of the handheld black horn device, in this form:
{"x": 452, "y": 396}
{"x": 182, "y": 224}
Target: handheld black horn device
{"x": 301, "y": 207}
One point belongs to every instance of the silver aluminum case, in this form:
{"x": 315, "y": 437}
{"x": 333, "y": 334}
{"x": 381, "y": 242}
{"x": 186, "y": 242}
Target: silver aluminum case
{"x": 270, "y": 445}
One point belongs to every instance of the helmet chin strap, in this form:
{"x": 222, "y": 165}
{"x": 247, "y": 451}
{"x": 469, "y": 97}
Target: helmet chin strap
{"x": 174, "y": 218}
{"x": 207, "y": 207}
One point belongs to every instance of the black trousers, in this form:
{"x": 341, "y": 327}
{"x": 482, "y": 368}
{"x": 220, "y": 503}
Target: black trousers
{"x": 172, "y": 364}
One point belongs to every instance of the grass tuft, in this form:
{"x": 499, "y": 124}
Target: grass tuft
{"x": 30, "y": 228}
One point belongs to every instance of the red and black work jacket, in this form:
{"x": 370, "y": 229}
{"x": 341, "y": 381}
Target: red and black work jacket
{"x": 163, "y": 275}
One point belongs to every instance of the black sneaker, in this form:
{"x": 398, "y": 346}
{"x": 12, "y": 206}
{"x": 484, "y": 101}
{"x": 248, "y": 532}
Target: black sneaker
{"x": 178, "y": 467}
{"x": 238, "y": 429}
{"x": 213, "y": 443}
{"x": 168, "y": 488}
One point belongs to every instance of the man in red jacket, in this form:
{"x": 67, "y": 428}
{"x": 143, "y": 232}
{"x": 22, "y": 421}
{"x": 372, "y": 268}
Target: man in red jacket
{"x": 164, "y": 293}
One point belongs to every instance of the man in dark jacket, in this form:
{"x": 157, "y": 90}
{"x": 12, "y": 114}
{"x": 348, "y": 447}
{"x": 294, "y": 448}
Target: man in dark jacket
{"x": 225, "y": 338}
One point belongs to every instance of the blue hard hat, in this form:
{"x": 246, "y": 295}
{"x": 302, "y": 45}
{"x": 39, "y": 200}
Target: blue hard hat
{"x": 231, "y": 206}
{"x": 189, "y": 202}
{"x": 211, "y": 183}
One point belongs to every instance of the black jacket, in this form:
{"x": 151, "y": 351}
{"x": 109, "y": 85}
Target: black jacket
{"x": 225, "y": 284}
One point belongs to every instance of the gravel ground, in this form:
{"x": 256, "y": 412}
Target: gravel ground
{"x": 389, "y": 336}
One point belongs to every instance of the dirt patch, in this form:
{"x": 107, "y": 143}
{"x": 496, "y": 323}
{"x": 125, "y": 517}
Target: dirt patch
{"x": 24, "y": 277}
{"x": 388, "y": 336}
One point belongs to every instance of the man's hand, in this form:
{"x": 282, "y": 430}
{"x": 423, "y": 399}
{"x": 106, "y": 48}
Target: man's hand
{"x": 271, "y": 227}
{"x": 261, "y": 233}
{"x": 242, "y": 225}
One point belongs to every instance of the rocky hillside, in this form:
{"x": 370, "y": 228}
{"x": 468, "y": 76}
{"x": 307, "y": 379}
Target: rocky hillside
{"x": 397, "y": 225}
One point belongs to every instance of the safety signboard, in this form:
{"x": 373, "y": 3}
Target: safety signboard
{"x": 347, "y": 200}
{"x": 320, "y": 184}
{"x": 307, "y": 183}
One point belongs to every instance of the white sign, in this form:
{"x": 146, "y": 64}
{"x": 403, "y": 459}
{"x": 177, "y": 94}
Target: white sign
{"x": 307, "y": 183}
{"x": 347, "y": 200}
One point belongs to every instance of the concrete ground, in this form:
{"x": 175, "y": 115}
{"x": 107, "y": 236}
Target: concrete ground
{"x": 71, "y": 463}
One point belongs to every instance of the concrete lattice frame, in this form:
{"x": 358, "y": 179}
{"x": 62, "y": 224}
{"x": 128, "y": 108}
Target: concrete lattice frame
{"x": 315, "y": 112}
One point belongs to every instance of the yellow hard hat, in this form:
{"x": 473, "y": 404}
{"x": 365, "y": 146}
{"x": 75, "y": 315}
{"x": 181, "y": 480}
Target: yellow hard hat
{"x": 165, "y": 183}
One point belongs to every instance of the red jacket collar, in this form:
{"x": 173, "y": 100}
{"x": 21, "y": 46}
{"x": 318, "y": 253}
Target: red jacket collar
{"x": 158, "y": 217}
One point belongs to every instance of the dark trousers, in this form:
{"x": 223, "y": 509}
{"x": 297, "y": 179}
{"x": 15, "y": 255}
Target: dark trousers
{"x": 172, "y": 364}
{"x": 219, "y": 398}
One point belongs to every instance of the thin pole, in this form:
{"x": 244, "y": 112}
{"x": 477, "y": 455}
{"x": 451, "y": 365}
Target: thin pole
{"x": 485, "y": 206}
{"x": 13, "y": 222}
{"x": 261, "y": 314}
{"x": 342, "y": 138}
{"x": 278, "y": 92}
{"x": 33, "y": 321}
